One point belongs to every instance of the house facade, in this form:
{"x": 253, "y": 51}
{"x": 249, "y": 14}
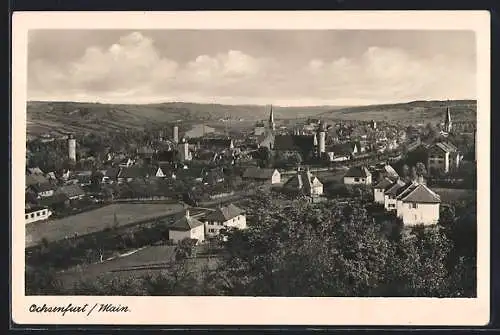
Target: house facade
{"x": 224, "y": 217}
{"x": 35, "y": 214}
{"x": 72, "y": 192}
{"x": 304, "y": 182}
{"x": 186, "y": 227}
{"x": 417, "y": 204}
{"x": 379, "y": 190}
{"x": 358, "y": 175}
{"x": 390, "y": 195}
{"x": 44, "y": 190}
{"x": 271, "y": 176}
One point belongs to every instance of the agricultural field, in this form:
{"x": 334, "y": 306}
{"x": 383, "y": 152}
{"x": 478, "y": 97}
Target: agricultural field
{"x": 96, "y": 220}
{"x": 150, "y": 260}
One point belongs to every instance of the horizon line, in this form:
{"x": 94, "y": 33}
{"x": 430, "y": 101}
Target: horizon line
{"x": 248, "y": 104}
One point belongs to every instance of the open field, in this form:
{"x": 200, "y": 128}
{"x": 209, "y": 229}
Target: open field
{"x": 96, "y": 220}
{"x": 150, "y": 260}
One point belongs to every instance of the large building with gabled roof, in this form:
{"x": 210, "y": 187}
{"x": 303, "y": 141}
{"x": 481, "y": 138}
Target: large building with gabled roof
{"x": 186, "y": 227}
{"x": 418, "y": 204}
{"x": 358, "y": 175}
{"x": 224, "y": 217}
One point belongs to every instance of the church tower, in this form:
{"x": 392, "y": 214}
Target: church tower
{"x": 447, "y": 121}
{"x": 271, "y": 119}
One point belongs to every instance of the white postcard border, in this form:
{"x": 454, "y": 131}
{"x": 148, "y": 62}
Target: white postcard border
{"x": 239, "y": 310}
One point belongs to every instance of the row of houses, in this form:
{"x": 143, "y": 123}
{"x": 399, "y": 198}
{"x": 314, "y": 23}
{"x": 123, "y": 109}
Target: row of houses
{"x": 413, "y": 202}
{"x": 209, "y": 226}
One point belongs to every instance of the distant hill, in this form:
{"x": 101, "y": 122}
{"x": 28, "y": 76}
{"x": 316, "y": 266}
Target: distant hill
{"x": 62, "y": 117}
{"x": 410, "y": 112}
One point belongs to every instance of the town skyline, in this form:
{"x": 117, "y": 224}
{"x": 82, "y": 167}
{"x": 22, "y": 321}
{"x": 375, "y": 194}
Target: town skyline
{"x": 355, "y": 67}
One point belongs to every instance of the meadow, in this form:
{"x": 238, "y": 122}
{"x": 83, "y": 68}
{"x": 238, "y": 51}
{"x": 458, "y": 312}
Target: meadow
{"x": 96, "y": 220}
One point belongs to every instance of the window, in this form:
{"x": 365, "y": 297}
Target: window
{"x": 414, "y": 205}
{"x": 356, "y": 179}
{"x": 44, "y": 212}
{"x": 26, "y": 216}
{"x": 37, "y": 213}
{"x": 32, "y": 215}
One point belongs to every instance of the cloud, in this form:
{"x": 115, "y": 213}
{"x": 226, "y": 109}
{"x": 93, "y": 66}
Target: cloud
{"x": 134, "y": 69}
{"x": 388, "y": 73}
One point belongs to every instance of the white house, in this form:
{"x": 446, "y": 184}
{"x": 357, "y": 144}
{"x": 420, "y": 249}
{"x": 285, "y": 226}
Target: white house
{"x": 379, "y": 190}
{"x": 271, "y": 176}
{"x": 418, "y": 204}
{"x": 358, "y": 175}
{"x": 304, "y": 182}
{"x": 34, "y": 214}
{"x": 186, "y": 227}
{"x": 43, "y": 190}
{"x": 222, "y": 217}
{"x": 390, "y": 194}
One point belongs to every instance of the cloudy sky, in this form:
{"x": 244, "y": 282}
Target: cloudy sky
{"x": 251, "y": 67}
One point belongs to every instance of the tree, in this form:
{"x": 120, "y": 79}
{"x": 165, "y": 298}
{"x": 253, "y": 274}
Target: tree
{"x": 295, "y": 159}
{"x": 41, "y": 281}
{"x": 184, "y": 249}
{"x": 421, "y": 169}
{"x": 413, "y": 173}
{"x": 405, "y": 172}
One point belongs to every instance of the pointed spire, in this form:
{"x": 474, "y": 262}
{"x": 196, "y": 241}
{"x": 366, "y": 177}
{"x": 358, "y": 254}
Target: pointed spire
{"x": 271, "y": 118}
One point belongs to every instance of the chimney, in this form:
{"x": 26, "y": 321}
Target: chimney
{"x": 187, "y": 213}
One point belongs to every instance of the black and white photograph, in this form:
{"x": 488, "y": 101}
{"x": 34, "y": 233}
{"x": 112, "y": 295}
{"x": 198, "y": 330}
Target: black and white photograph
{"x": 264, "y": 162}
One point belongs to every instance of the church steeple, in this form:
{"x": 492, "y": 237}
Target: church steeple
{"x": 271, "y": 119}
{"x": 447, "y": 120}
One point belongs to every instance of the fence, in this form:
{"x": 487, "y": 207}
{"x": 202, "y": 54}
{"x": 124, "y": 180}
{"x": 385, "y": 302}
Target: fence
{"x": 160, "y": 199}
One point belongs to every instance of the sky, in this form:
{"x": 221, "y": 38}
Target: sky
{"x": 280, "y": 67}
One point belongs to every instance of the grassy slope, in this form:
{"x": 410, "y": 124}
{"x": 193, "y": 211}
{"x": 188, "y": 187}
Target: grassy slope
{"x": 96, "y": 220}
{"x": 411, "y": 112}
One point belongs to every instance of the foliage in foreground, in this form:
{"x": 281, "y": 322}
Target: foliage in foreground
{"x": 325, "y": 249}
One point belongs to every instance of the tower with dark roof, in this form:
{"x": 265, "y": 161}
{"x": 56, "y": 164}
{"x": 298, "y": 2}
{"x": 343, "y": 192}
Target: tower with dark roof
{"x": 271, "y": 119}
